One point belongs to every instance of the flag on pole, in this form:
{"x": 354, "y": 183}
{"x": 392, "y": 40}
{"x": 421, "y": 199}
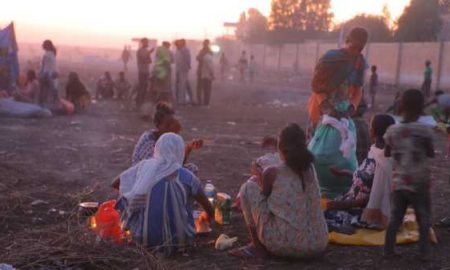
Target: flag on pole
{"x": 9, "y": 62}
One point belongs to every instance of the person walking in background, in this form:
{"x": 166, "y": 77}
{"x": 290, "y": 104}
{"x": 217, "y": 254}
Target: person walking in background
{"x": 410, "y": 143}
{"x": 223, "y": 66}
{"x": 199, "y": 59}
{"x": 207, "y": 77}
{"x": 243, "y": 65}
{"x": 428, "y": 75}
{"x": 373, "y": 86}
{"x": 144, "y": 59}
{"x": 162, "y": 72}
{"x": 182, "y": 67}
{"x": 49, "y": 73}
{"x": 126, "y": 57}
{"x": 252, "y": 68}
{"x": 123, "y": 86}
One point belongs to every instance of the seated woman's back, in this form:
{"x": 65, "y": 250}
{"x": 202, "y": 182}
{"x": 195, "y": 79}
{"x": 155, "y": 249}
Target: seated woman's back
{"x": 298, "y": 206}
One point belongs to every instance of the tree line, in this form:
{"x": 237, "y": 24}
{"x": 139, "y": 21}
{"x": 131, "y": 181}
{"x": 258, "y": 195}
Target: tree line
{"x": 299, "y": 20}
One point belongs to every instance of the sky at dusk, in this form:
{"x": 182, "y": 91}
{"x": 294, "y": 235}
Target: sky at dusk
{"x": 112, "y": 23}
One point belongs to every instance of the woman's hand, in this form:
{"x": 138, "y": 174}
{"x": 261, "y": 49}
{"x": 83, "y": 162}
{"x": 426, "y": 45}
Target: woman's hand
{"x": 196, "y": 144}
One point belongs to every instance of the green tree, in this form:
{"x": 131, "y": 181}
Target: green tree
{"x": 376, "y": 26}
{"x": 283, "y": 14}
{"x": 252, "y": 26}
{"x": 256, "y": 26}
{"x": 317, "y": 15}
{"x": 301, "y": 15}
{"x": 421, "y": 21}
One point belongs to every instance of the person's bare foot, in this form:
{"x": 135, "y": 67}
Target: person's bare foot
{"x": 249, "y": 251}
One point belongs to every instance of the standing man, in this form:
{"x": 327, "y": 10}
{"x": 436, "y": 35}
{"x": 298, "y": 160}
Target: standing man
{"x": 207, "y": 77}
{"x": 126, "y": 57}
{"x": 162, "y": 72}
{"x": 243, "y": 64}
{"x": 199, "y": 59}
{"x": 144, "y": 60}
{"x": 427, "y": 80}
{"x": 182, "y": 67}
{"x": 223, "y": 66}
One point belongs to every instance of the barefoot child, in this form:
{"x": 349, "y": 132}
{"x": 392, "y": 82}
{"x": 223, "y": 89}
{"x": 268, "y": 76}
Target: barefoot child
{"x": 410, "y": 144}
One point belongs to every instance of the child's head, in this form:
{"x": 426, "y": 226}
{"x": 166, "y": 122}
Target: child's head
{"x": 373, "y": 69}
{"x": 378, "y": 126}
{"x": 427, "y": 63}
{"x": 411, "y": 105}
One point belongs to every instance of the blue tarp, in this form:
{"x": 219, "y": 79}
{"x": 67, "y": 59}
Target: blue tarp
{"x": 9, "y": 62}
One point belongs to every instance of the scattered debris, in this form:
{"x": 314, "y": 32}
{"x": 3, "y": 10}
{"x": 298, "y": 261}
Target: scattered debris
{"x": 38, "y": 202}
{"x": 231, "y": 123}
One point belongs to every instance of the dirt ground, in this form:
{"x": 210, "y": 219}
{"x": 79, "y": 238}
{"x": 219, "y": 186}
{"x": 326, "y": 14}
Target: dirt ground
{"x": 51, "y": 161}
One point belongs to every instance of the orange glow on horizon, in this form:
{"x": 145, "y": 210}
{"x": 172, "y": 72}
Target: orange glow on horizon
{"x": 112, "y": 23}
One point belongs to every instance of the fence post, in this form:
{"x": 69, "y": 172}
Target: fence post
{"x": 264, "y": 57}
{"x": 367, "y": 51}
{"x": 399, "y": 64}
{"x": 279, "y": 57}
{"x": 297, "y": 52}
{"x": 317, "y": 51}
{"x": 440, "y": 64}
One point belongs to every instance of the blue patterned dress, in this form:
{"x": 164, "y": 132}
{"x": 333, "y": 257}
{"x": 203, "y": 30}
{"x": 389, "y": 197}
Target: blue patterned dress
{"x": 167, "y": 221}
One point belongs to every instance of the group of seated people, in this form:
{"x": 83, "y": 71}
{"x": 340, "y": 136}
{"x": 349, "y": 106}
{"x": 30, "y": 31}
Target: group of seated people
{"x": 29, "y": 90}
{"x": 108, "y": 88}
{"x": 281, "y": 203}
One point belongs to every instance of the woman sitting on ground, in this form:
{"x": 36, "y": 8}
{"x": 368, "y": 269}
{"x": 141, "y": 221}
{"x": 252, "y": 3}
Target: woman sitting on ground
{"x": 165, "y": 121}
{"x": 156, "y": 197}
{"x": 371, "y": 181}
{"x": 76, "y": 92}
{"x": 30, "y": 94}
{"x": 283, "y": 211}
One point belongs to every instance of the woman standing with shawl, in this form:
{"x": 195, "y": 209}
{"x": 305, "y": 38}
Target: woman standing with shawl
{"x": 156, "y": 198}
{"x": 337, "y": 92}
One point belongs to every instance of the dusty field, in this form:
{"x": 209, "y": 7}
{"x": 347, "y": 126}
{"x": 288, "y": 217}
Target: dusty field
{"x": 66, "y": 159}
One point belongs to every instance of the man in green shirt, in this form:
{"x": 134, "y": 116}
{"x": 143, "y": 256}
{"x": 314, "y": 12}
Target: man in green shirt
{"x": 428, "y": 74}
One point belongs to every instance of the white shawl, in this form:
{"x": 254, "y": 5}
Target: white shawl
{"x": 347, "y": 140}
{"x": 138, "y": 181}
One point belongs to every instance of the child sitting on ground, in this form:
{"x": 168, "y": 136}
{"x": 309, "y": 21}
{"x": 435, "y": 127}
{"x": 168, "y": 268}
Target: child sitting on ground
{"x": 272, "y": 158}
{"x": 410, "y": 143}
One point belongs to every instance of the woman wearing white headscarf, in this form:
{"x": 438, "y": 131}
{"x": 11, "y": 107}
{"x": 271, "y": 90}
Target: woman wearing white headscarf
{"x": 156, "y": 196}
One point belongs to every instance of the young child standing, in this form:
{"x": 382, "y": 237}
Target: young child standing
{"x": 373, "y": 87}
{"x": 410, "y": 144}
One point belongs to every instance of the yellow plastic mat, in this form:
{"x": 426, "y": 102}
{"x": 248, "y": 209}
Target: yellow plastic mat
{"x": 364, "y": 237}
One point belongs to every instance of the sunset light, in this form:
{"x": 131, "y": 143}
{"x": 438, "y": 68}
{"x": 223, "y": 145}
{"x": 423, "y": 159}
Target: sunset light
{"x": 114, "y": 22}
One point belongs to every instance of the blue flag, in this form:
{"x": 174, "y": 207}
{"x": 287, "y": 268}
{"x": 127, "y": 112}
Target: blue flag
{"x": 9, "y": 62}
